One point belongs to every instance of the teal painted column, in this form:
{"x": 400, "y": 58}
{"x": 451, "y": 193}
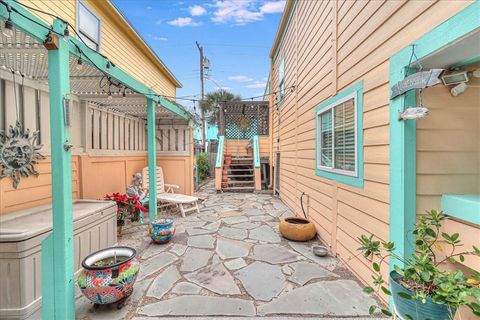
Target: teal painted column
{"x": 152, "y": 161}
{"x": 58, "y": 294}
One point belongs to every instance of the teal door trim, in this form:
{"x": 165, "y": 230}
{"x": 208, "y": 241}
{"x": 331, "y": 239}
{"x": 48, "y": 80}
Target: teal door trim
{"x": 152, "y": 161}
{"x": 58, "y": 296}
{"x": 403, "y": 133}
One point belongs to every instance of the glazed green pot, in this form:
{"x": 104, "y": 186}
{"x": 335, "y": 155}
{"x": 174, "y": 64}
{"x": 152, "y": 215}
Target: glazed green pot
{"x": 415, "y": 308}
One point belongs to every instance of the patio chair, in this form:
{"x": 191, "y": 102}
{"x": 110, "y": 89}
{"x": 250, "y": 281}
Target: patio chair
{"x": 167, "y": 197}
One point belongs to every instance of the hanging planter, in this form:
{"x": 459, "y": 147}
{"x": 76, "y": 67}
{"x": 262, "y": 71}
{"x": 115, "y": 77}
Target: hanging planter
{"x": 108, "y": 275}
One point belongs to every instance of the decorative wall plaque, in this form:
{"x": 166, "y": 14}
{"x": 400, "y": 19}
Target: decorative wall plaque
{"x": 18, "y": 153}
{"x": 418, "y": 80}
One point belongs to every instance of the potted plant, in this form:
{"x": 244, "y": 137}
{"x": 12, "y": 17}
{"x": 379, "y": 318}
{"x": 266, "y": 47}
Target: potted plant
{"x": 108, "y": 275}
{"x": 422, "y": 289}
{"x": 162, "y": 230}
{"x": 127, "y": 208}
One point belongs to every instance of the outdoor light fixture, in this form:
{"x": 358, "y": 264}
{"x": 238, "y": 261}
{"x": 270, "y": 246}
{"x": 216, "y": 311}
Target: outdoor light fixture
{"x": 66, "y": 33}
{"x": 79, "y": 64}
{"x": 108, "y": 65}
{"x": 413, "y": 113}
{"x": 459, "y": 89}
{"x": 110, "y": 97}
{"x": 8, "y": 28}
{"x": 454, "y": 78}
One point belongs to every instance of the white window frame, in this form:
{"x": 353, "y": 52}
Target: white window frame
{"x": 319, "y": 133}
{"x": 83, "y": 35}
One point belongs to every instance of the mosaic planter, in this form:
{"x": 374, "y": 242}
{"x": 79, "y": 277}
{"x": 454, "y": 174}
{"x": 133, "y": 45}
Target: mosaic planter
{"x": 103, "y": 281}
{"x": 162, "y": 231}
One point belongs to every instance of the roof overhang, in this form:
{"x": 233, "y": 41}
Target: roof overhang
{"x": 289, "y": 6}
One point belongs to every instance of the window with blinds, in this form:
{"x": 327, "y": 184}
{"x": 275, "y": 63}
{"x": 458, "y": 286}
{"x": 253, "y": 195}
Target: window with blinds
{"x": 337, "y": 137}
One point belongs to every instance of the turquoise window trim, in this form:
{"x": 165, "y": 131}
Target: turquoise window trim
{"x": 403, "y": 133}
{"x": 357, "y": 180}
{"x": 462, "y": 206}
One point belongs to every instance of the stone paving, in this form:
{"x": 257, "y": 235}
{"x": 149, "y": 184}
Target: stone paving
{"x": 230, "y": 261}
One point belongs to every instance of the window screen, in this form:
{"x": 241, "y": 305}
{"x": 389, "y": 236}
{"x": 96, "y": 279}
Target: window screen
{"x": 88, "y": 26}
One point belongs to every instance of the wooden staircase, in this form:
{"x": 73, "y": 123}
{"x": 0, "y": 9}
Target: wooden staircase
{"x": 238, "y": 176}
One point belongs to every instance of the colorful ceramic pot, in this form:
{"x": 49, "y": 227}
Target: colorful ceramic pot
{"x": 162, "y": 231}
{"x": 104, "y": 281}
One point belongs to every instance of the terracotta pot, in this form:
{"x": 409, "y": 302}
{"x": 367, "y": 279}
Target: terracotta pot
{"x": 224, "y": 178}
{"x": 112, "y": 282}
{"x": 162, "y": 231}
{"x": 297, "y": 229}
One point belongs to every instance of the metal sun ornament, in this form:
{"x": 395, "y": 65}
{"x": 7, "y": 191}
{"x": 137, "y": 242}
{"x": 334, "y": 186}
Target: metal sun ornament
{"x": 19, "y": 153}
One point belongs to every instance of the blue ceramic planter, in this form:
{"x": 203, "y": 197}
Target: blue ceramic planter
{"x": 415, "y": 308}
{"x": 162, "y": 232}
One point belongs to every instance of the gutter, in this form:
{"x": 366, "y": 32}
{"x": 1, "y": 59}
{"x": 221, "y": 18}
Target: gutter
{"x": 177, "y": 83}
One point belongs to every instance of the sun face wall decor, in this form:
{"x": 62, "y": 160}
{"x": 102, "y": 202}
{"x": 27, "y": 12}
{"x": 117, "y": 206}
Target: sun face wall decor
{"x": 18, "y": 153}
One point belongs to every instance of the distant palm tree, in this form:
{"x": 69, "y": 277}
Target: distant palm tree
{"x": 210, "y": 106}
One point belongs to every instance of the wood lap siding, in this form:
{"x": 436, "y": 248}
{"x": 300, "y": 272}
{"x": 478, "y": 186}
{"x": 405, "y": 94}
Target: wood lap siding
{"x": 120, "y": 47}
{"x": 326, "y": 51}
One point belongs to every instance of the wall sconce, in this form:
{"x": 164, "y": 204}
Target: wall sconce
{"x": 459, "y": 89}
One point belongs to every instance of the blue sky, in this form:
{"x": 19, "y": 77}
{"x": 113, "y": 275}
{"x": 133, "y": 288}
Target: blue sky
{"x": 236, "y": 35}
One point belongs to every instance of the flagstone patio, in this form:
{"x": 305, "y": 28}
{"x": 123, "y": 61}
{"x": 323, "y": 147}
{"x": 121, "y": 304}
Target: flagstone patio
{"x": 230, "y": 261}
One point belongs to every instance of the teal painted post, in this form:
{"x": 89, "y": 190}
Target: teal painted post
{"x": 152, "y": 161}
{"x": 256, "y": 152}
{"x": 219, "y": 160}
{"x": 58, "y": 299}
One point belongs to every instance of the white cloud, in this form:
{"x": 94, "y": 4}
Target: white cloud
{"x": 184, "y": 22}
{"x": 240, "y": 78}
{"x": 241, "y": 12}
{"x": 148, "y": 8}
{"x": 159, "y": 38}
{"x": 197, "y": 10}
{"x": 272, "y": 7}
{"x": 256, "y": 85}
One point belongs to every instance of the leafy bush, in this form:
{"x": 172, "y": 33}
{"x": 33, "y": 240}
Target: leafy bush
{"x": 422, "y": 272}
{"x": 203, "y": 165}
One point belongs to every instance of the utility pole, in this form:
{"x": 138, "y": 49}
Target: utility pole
{"x": 204, "y": 129}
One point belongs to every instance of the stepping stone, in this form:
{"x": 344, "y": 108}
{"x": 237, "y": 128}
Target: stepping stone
{"x": 261, "y": 218}
{"x": 253, "y": 212}
{"x": 264, "y": 233}
{"x": 209, "y": 218}
{"x": 203, "y": 241}
{"x": 229, "y": 249}
{"x": 139, "y": 289}
{"x": 163, "y": 282}
{"x": 154, "y": 249}
{"x": 305, "y": 249}
{"x": 196, "y": 232}
{"x": 155, "y": 263}
{"x": 194, "y": 259}
{"x": 235, "y": 264}
{"x": 200, "y": 306}
{"x": 303, "y": 272}
{"x": 233, "y": 220}
{"x": 226, "y": 214}
{"x": 212, "y": 226}
{"x": 262, "y": 280}
{"x": 233, "y": 233}
{"x": 186, "y": 288}
{"x": 194, "y": 224}
{"x": 246, "y": 225}
{"x": 274, "y": 254}
{"x": 214, "y": 278}
{"x": 338, "y": 298}
{"x": 287, "y": 270}
{"x": 178, "y": 249}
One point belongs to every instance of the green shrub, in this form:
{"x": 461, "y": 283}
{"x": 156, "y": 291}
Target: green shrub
{"x": 203, "y": 165}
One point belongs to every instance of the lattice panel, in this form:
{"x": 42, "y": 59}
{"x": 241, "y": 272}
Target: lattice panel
{"x": 245, "y": 120}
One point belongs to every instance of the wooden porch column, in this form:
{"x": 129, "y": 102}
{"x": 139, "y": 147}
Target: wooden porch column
{"x": 152, "y": 161}
{"x": 58, "y": 293}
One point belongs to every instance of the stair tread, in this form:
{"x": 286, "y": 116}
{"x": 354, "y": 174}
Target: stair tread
{"x": 238, "y": 188}
{"x": 239, "y": 175}
{"x": 240, "y": 181}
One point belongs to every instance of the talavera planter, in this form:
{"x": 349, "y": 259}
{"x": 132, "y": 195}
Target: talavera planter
{"x": 103, "y": 281}
{"x": 162, "y": 231}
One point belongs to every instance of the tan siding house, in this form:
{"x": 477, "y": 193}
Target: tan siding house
{"x": 326, "y": 50}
